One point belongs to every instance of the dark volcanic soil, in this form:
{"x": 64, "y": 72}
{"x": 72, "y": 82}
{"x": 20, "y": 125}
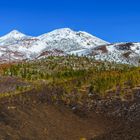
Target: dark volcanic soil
{"x": 23, "y": 118}
{"x": 30, "y": 117}
{"x": 34, "y": 120}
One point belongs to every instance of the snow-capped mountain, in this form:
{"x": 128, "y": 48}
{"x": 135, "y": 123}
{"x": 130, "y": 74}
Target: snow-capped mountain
{"x": 16, "y": 46}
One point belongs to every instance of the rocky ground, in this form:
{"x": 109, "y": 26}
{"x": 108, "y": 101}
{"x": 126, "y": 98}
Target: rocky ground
{"x": 27, "y": 117}
{"x": 33, "y": 116}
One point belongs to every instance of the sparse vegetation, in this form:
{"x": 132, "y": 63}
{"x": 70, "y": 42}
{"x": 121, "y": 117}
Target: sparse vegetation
{"x": 77, "y": 74}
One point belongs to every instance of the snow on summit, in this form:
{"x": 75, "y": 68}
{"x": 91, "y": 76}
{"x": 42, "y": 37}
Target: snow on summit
{"x": 29, "y": 47}
{"x": 69, "y": 40}
{"x": 13, "y": 34}
{"x": 11, "y": 37}
{"x": 65, "y": 41}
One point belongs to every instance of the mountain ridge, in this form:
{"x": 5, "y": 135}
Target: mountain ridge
{"x": 16, "y": 46}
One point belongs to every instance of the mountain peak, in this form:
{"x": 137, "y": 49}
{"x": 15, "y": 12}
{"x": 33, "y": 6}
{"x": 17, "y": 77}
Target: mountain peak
{"x": 13, "y": 34}
{"x": 64, "y": 29}
{"x": 16, "y": 33}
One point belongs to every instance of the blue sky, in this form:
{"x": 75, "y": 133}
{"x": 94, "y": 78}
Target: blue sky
{"x": 111, "y": 20}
